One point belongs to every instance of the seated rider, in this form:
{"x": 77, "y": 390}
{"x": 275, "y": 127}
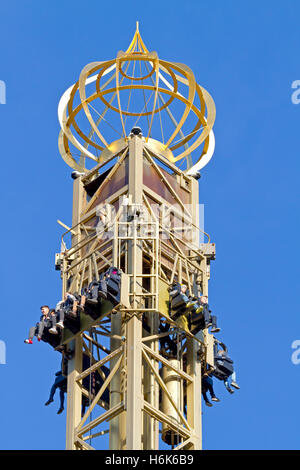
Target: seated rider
{"x": 229, "y": 380}
{"x": 184, "y": 294}
{"x": 112, "y": 278}
{"x": 92, "y": 293}
{"x": 205, "y": 316}
{"x": 68, "y": 305}
{"x": 47, "y": 320}
{"x": 198, "y": 311}
{"x": 53, "y": 317}
{"x": 181, "y": 305}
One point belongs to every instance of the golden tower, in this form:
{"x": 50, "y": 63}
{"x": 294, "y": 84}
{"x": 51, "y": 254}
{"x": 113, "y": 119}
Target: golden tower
{"x": 137, "y": 130}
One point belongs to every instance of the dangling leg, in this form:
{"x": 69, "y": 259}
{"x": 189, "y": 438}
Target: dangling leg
{"x": 53, "y": 329}
{"x": 207, "y": 402}
{"x": 214, "y": 328}
{"x": 102, "y": 289}
{"x": 41, "y": 329}
{"x": 212, "y": 393}
{"x": 74, "y": 309}
{"x": 62, "y": 399}
{"x": 227, "y": 383}
{"x": 93, "y": 293}
{"x": 233, "y": 381}
{"x": 207, "y": 317}
{"x": 61, "y": 315}
{"x": 52, "y": 393}
{"x": 32, "y": 333}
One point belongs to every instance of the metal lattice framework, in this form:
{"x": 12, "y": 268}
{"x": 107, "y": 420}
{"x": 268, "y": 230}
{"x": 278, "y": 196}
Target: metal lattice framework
{"x": 154, "y": 396}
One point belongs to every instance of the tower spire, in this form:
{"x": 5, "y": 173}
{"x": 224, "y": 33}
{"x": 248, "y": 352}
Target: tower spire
{"x": 137, "y": 44}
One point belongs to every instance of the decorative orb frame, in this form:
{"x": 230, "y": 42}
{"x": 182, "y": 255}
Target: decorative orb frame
{"x": 96, "y": 71}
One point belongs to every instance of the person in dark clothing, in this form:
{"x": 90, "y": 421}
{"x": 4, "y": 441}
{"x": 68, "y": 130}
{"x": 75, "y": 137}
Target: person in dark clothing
{"x": 47, "y": 319}
{"x": 180, "y": 305}
{"x": 61, "y": 383}
{"x": 207, "y": 386}
{"x": 168, "y": 346}
{"x": 191, "y": 313}
{"x": 201, "y": 317}
{"x": 210, "y": 320}
{"x": 92, "y": 293}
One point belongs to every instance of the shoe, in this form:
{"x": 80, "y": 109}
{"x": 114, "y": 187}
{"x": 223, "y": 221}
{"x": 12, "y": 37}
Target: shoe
{"x": 61, "y": 409}
{"x": 235, "y": 385}
{"x": 208, "y": 325}
{"x": 208, "y": 403}
{"x": 39, "y": 338}
{"x": 28, "y": 341}
{"x": 48, "y": 402}
{"x": 230, "y": 390}
{"x": 215, "y": 330}
{"x": 215, "y": 399}
{"x": 60, "y": 325}
{"x": 53, "y": 331}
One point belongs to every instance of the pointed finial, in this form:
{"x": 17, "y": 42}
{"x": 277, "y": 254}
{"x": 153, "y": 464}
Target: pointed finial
{"x": 137, "y": 44}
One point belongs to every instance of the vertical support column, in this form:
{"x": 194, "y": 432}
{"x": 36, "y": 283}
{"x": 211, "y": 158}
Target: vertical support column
{"x": 156, "y": 321}
{"x": 151, "y": 388}
{"x": 194, "y": 412}
{"x": 74, "y": 393}
{"x": 195, "y": 207}
{"x": 75, "y": 364}
{"x": 134, "y": 398}
{"x": 115, "y": 433}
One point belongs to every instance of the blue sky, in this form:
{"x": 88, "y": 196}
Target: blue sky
{"x": 246, "y": 55}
